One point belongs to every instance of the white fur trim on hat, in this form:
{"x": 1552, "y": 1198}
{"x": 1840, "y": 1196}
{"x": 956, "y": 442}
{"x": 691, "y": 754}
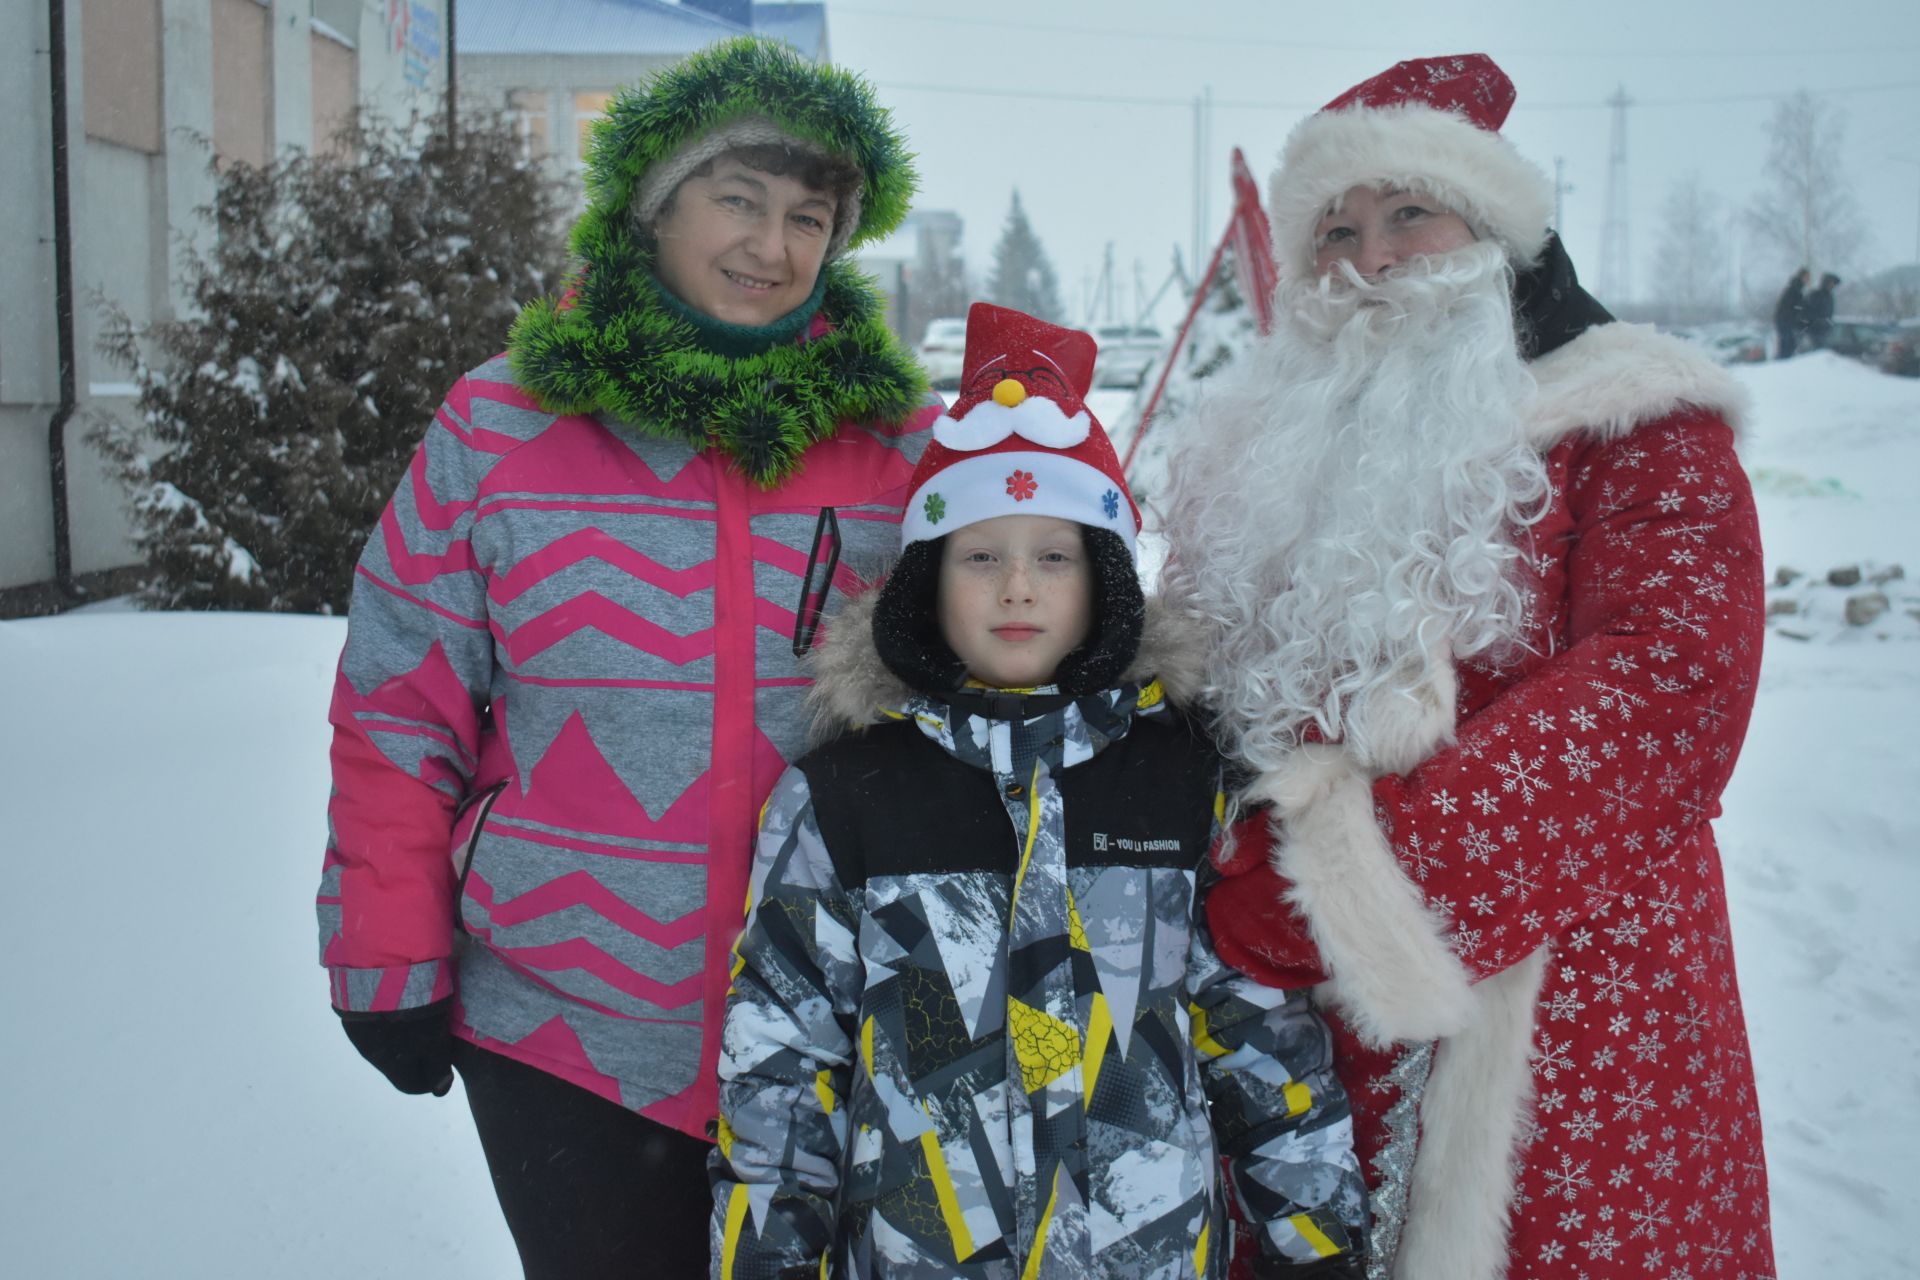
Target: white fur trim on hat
{"x": 659, "y": 183}
{"x": 1475, "y": 173}
{"x": 983, "y": 486}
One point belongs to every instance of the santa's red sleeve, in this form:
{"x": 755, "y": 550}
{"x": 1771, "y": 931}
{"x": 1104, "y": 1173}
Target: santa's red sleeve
{"x": 1575, "y": 783}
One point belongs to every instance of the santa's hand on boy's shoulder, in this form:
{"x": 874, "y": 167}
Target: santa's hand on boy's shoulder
{"x": 1255, "y": 926}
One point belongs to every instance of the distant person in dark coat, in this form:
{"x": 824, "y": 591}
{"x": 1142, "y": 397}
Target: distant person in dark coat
{"x": 1819, "y": 311}
{"x": 1790, "y": 314}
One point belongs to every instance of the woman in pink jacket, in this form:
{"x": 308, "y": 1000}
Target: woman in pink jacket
{"x": 570, "y": 676}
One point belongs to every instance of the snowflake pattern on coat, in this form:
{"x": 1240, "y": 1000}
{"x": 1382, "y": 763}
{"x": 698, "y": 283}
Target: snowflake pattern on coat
{"x": 1571, "y": 816}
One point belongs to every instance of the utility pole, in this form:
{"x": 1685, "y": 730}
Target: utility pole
{"x": 1561, "y": 187}
{"x": 1202, "y": 145}
{"x": 1616, "y": 263}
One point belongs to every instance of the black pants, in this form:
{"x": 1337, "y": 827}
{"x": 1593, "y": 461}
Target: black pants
{"x": 591, "y": 1191}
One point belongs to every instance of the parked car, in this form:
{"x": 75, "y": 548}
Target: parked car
{"x": 1729, "y": 342}
{"x": 1127, "y": 354}
{"x": 1900, "y": 354}
{"x": 1859, "y": 339}
{"x": 943, "y": 352}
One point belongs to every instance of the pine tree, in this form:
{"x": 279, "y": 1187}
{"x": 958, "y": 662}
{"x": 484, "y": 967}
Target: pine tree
{"x": 341, "y": 300}
{"x": 1023, "y": 278}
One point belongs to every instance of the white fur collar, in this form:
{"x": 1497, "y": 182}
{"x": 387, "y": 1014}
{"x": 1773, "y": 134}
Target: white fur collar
{"x": 1614, "y": 377}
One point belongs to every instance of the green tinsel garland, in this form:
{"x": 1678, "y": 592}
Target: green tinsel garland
{"x": 617, "y": 348}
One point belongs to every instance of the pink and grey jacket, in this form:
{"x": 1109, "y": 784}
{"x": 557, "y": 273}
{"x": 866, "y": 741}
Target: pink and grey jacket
{"x": 568, "y": 686}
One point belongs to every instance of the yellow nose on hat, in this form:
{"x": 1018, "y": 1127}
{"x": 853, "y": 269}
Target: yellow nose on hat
{"x": 1008, "y": 392}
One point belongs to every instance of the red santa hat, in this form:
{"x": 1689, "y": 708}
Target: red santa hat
{"x": 1020, "y": 440}
{"x": 1430, "y": 125}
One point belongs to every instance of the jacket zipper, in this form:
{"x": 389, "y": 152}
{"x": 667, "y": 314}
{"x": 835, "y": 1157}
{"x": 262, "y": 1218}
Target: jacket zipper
{"x": 484, "y": 801}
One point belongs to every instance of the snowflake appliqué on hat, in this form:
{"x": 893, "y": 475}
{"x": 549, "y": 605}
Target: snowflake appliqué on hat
{"x": 1110, "y": 503}
{"x": 936, "y": 508}
{"x": 1022, "y": 485}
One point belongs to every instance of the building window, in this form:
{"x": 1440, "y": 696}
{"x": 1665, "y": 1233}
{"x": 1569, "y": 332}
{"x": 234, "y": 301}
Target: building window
{"x": 587, "y": 107}
{"x": 527, "y": 109}
{"x": 120, "y": 51}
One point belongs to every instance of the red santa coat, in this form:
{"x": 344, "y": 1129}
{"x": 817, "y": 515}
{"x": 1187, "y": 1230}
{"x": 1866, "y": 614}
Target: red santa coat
{"x": 1529, "y": 913}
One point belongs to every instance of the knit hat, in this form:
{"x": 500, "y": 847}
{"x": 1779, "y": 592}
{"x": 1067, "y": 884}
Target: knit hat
{"x": 1019, "y": 440}
{"x": 1430, "y": 125}
{"x": 748, "y": 91}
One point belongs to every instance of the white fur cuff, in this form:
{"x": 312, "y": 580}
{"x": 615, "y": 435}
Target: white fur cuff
{"x": 1394, "y": 976}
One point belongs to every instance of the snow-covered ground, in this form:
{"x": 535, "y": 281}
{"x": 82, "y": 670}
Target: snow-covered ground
{"x": 178, "y": 1101}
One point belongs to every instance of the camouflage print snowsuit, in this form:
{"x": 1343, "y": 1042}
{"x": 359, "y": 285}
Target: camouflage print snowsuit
{"x": 976, "y": 1022}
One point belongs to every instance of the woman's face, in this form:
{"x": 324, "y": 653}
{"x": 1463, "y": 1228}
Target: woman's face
{"x": 743, "y": 246}
{"x": 1376, "y": 230}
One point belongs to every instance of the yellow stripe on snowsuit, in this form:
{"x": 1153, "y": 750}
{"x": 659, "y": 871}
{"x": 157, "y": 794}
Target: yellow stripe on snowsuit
{"x": 1313, "y": 1235}
{"x": 1032, "y": 1270}
{"x": 866, "y": 1045}
{"x": 1033, "y": 829}
{"x": 723, "y": 1136}
{"x": 1099, "y": 1029}
{"x": 736, "y": 1218}
{"x": 1200, "y": 1251}
{"x": 740, "y": 961}
{"x": 949, "y": 1198}
{"x": 823, "y": 1090}
{"x": 1299, "y": 1099}
{"x": 1203, "y": 1038}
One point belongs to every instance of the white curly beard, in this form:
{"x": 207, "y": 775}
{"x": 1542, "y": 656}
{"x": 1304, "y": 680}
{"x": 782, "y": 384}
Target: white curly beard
{"x": 1343, "y": 503}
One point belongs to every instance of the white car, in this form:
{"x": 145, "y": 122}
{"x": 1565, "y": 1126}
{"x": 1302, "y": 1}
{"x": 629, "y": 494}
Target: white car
{"x": 943, "y": 352}
{"x": 1128, "y": 354}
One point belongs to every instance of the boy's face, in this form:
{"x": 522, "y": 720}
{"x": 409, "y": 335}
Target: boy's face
{"x": 1016, "y": 596}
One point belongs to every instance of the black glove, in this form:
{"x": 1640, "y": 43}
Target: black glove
{"x": 412, "y": 1047}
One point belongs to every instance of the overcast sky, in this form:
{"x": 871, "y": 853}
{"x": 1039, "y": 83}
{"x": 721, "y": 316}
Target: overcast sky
{"x": 1085, "y": 104}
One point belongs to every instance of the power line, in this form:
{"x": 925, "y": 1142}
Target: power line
{"x": 1240, "y": 41}
{"x": 1243, "y": 104}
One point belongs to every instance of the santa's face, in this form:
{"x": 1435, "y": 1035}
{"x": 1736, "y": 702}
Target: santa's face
{"x": 1376, "y": 231}
{"x": 743, "y": 246}
{"x": 1016, "y": 597}
{"x": 1345, "y": 505}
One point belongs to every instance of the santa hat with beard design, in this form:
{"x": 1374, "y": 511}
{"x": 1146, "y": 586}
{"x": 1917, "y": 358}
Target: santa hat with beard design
{"x": 1430, "y": 125}
{"x": 1019, "y": 441}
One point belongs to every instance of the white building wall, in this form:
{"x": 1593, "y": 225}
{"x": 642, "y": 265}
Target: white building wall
{"x": 130, "y": 209}
{"x": 487, "y": 80}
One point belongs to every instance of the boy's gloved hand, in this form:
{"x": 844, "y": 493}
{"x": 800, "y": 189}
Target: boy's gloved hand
{"x": 413, "y": 1048}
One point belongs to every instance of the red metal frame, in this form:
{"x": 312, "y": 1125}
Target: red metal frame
{"x": 1248, "y": 234}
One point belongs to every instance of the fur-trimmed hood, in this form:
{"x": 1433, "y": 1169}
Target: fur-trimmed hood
{"x": 851, "y": 684}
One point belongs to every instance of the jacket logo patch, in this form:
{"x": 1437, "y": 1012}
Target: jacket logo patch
{"x": 1102, "y": 842}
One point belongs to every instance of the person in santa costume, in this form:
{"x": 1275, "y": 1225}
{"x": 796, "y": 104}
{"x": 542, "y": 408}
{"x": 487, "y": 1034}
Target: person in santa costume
{"x": 1482, "y": 583}
{"x": 976, "y": 1027}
